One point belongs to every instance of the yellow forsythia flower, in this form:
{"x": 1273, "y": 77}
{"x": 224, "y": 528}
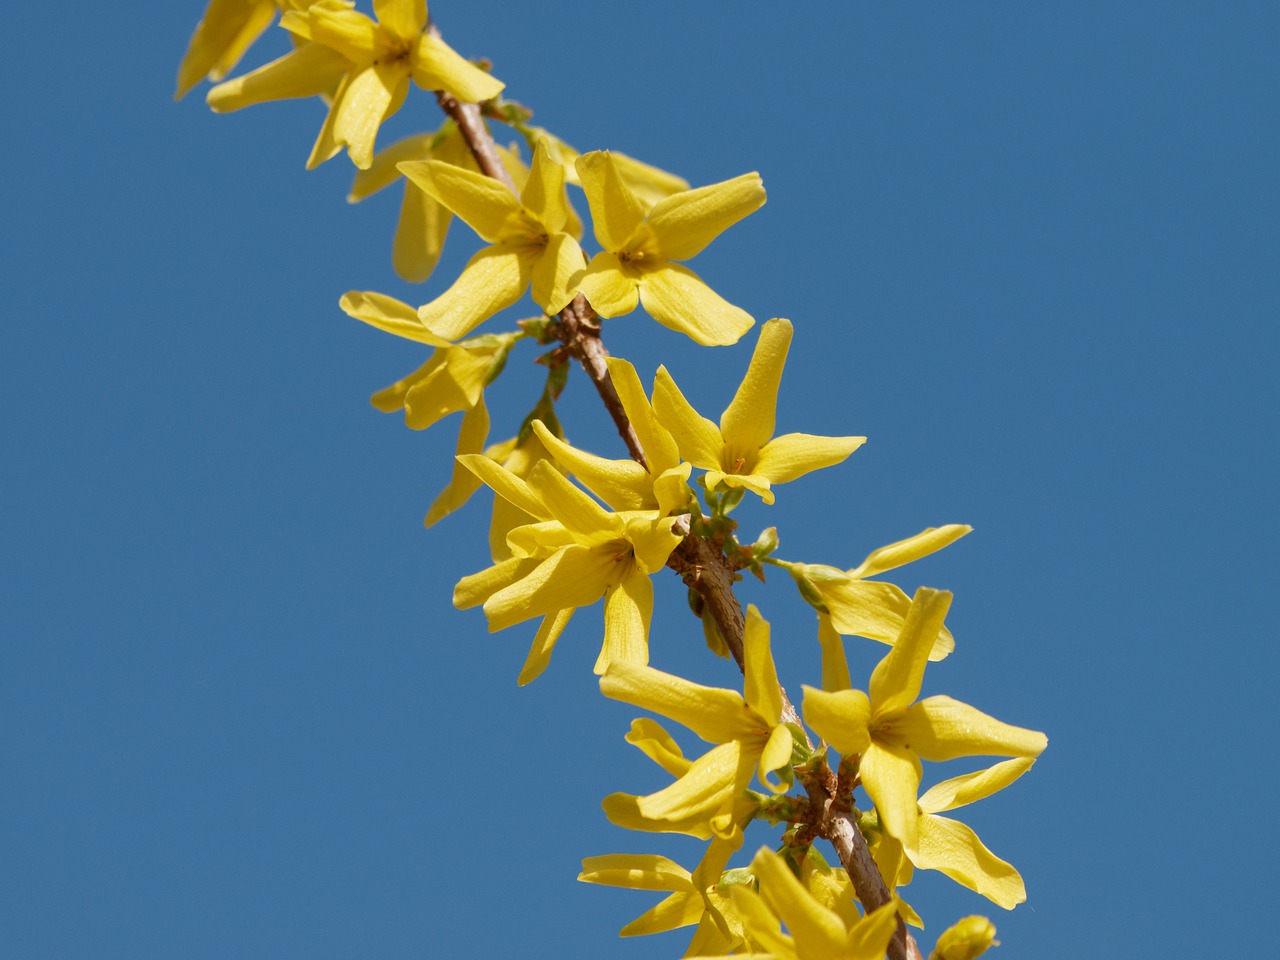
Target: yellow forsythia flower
{"x": 892, "y": 733}
{"x": 370, "y": 61}
{"x": 742, "y": 451}
{"x": 642, "y": 244}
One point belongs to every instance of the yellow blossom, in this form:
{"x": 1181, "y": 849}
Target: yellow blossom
{"x": 814, "y": 932}
{"x": 423, "y": 222}
{"x": 742, "y": 451}
{"x": 528, "y": 245}
{"x": 227, "y": 30}
{"x": 891, "y": 733}
{"x": 370, "y": 61}
{"x": 853, "y": 605}
{"x": 642, "y": 246}
{"x": 748, "y": 729}
{"x": 572, "y": 555}
{"x": 692, "y": 897}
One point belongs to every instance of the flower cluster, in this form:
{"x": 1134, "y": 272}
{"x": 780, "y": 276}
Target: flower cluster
{"x": 570, "y": 527}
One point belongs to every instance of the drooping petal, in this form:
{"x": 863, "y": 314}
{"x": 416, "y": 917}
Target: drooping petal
{"x": 871, "y": 609}
{"x": 913, "y": 548}
{"x": 492, "y": 280}
{"x": 954, "y": 849}
{"x": 622, "y": 484}
{"x": 895, "y": 682}
{"x": 677, "y": 298}
{"x": 507, "y": 485}
{"x": 404, "y": 18}
{"x": 615, "y": 212}
{"x": 684, "y": 223}
{"x": 475, "y": 589}
{"x": 760, "y": 923}
{"x": 835, "y": 666}
{"x": 714, "y": 714}
{"x": 840, "y": 717}
{"x": 639, "y": 871}
{"x": 659, "y": 445}
{"x": 227, "y": 29}
{"x": 544, "y": 642}
{"x": 653, "y": 740}
{"x": 708, "y": 786}
{"x": 760, "y": 681}
{"x": 557, "y": 273}
{"x": 891, "y": 776}
{"x": 483, "y": 203}
{"x": 353, "y": 34}
{"x": 697, "y": 438}
{"x": 775, "y": 756}
{"x": 756, "y": 484}
{"x": 573, "y": 577}
{"x": 676, "y": 911}
{"x": 792, "y": 455}
{"x": 365, "y": 99}
{"x": 959, "y": 791}
{"x": 456, "y": 385}
{"x": 628, "y": 609}
{"x": 383, "y": 172}
{"x": 817, "y": 931}
{"x": 420, "y": 235}
{"x": 940, "y": 728}
{"x": 623, "y": 810}
{"x": 309, "y": 71}
{"x": 388, "y": 314}
{"x": 436, "y": 66}
{"x": 748, "y": 422}
{"x": 472, "y": 435}
{"x": 390, "y": 399}
{"x": 652, "y": 541}
{"x": 611, "y": 292}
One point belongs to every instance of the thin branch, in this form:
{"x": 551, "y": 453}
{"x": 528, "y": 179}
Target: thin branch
{"x": 702, "y": 565}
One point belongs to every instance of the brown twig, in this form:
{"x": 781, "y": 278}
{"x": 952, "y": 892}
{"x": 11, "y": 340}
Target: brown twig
{"x": 702, "y": 565}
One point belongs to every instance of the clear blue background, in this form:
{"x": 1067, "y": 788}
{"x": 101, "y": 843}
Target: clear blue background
{"x": 1030, "y": 251}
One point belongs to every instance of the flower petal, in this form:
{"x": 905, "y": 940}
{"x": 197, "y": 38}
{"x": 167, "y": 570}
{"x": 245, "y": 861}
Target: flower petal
{"x": 913, "y": 548}
{"x": 748, "y": 422}
{"x": 557, "y": 273}
{"x": 388, "y": 314}
{"x": 543, "y": 194}
{"x": 677, "y": 910}
{"x": 760, "y": 680}
{"x": 483, "y": 203}
{"x": 891, "y": 776}
{"x": 628, "y": 609}
{"x": 611, "y": 292}
{"x": 623, "y": 810}
{"x": 940, "y": 728}
{"x": 869, "y": 938}
{"x": 475, "y": 589}
{"x": 875, "y": 610}
{"x": 638, "y": 871}
{"x": 507, "y": 485}
{"x": 895, "y": 682}
{"x": 472, "y": 434}
{"x": 835, "y": 666}
{"x": 309, "y": 71}
{"x": 696, "y": 437}
{"x": 775, "y": 756}
{"x": 456, "y": 385}
{"x": 959, "y": 791}
{"x": 709, "y": 785}
{"x": 589, "y": 521}
{"x": 684, "y": 223}
{"x": 404, "y": 18}
{"x": 622, "y": 484}
{"x": 840, "y": 717}
{"x": 792, "y": 455}
{"x": 544, "y": 642}
{"x": 652, "y": 541}
{"x": 955, "y": 850}
{"x": 383, "y": 172}
{"x": 573, "y": 577}
{"x": 365, "y": 98}
{"x": 654, "y": 742}
{"x": 225, "y": 32}
{"x": 492, "y": 280}
{"x": 817, "y": 931}
{"x": 714, "y": 714}
{"x": 760, "y": 923}
{"x": 677, "y": 298}
{"x": 436, "y": 66}
{"x": 615, "y": 212}
{"x": 659, "y": 446}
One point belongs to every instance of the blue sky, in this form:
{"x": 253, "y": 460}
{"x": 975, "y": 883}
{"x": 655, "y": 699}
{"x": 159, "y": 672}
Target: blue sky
{"x": 1030, "y": 251}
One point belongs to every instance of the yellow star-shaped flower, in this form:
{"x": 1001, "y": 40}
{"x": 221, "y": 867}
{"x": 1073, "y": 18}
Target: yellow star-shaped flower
{"x": 642, "y": 246}
{"x": 528, "y": 245}
{"x": 371, "y": 62}
{"x": 891, "y": 733}
{"x": 742, "y": 451}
